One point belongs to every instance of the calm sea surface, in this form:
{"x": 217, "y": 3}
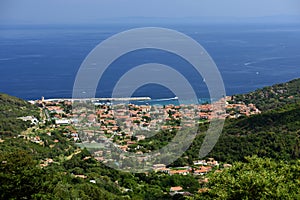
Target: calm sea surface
{"x": 43, "y": 60}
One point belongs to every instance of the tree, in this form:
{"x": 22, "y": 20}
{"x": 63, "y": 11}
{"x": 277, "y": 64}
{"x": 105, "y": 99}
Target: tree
{"x": 258, "y": 178}
{"x": 19, "y": 176}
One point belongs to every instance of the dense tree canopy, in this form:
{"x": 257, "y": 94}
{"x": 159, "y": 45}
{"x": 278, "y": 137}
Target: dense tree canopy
{"x": 257, "y": 178}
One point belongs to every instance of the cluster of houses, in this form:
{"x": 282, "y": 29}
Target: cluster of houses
{"x": 32, "y": 138}
{"x": 200, "y": 167}
{"x": 235, "y": 110}
{"x": 119, "y": 123}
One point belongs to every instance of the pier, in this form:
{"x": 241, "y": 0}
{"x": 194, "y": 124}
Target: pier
{"x": 100, "y": 99}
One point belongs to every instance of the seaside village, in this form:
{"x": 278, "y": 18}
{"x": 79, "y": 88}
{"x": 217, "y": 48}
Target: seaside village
{"x": 127, "y": 124}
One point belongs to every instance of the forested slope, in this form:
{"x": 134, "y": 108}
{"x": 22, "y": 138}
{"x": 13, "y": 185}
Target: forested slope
{"x": 272, "y": 97}
{"x": 10, "y": 109}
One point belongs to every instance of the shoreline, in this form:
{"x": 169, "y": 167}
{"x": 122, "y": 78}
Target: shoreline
{"x": 131, "y": 100}
{"x": 99, "y": 99}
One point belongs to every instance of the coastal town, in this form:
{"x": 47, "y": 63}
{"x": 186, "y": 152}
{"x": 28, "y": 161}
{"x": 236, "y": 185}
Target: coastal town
{"x": 126, "y": 125}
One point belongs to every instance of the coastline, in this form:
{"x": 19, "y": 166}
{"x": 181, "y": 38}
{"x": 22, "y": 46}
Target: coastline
{"x": 133, "y": 100}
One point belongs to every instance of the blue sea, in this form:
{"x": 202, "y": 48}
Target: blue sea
{"x": 43, "y": 60}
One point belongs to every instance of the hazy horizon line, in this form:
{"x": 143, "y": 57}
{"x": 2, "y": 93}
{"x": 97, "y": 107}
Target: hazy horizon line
{"x": 272, "y": 19}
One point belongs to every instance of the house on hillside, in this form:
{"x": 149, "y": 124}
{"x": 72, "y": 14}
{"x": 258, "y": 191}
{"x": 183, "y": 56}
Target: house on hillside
{"x": 32, "y": 119}
{"x": 176, "y": 189}
{"x": 62, "y": 121}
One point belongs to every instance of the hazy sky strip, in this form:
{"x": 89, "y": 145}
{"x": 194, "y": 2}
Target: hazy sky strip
{"x": 77, "y": 11}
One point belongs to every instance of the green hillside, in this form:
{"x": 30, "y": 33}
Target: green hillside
{"x": 10, "y": 109}
{"x": 272, "y": 97}
{"x": 286, "y": 119}
{"x": 273, "y": 134}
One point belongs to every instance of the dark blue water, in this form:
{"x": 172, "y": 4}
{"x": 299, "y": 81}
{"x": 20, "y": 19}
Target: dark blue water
{"x": 43, "y": 60}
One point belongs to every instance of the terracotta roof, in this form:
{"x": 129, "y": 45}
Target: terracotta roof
{"x": 182, "y": 171}
{"x": 174, "y": 189}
